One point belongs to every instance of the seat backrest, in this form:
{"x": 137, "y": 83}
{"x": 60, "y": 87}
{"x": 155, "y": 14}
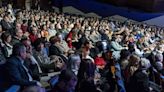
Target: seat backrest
{"x": 1, "y": 79}
{"x": 4, "y": 80}
{"x": 13, "y": 88}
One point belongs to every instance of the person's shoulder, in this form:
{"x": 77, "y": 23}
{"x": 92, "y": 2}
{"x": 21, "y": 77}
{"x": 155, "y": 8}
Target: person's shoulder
{"x": 3, "y": 21}
{"x": 13, "y": 60}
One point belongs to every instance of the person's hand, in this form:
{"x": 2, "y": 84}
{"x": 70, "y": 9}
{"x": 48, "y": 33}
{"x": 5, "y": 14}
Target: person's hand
{"x": 68, "y": 39}
{"x": 151, "y": 89}
{"x": 125, "y": 47}
{"x": 38, "y": 84}
{"x": 28, "y": 55}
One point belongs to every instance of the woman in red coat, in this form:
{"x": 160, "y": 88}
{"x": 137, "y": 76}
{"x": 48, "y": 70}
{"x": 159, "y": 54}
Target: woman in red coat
{"x": 71, "y": 37}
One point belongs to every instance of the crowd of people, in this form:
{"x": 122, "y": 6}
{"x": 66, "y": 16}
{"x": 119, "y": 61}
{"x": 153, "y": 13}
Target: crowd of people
{"x": 91, "y": 54}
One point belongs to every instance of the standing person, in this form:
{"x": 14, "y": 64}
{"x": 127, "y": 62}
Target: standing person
{"x": 10, "y": 9}
{"x": 86, "y": 75}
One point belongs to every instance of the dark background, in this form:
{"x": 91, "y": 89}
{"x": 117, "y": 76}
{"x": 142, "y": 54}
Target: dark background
{"x": 145, "y": 5}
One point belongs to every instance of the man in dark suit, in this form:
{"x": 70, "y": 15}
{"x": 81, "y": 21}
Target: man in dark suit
{"x": 18, "y": 72}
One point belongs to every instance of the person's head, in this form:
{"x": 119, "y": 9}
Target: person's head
{"x": 9, "y": 6}
{"x": 6, "y": 37}
{"x": 107, "y": 31}
{"x": 27, "y": 44}
{"x": 159, "y": 65}
{"x": 159, "y": 57}
{"x": 87, "y": 44}
{"x": 44, "y": 27}
{"x": 60, "y": 36}
{"x": 145, "y": 63}
{"x": 67, "y": 80}
{"x": 118, "y": 38}
{"x": 74, "y": 63}
{"x": 18, "y": 26}
{"x": 134, "y": 60}
{"x": 39, "y": 45}
{"x": 124, "y": 54}
{"x": 19, "y": 50}
{"x": 54, "y": 39}
{"x": 65, "y": 26}
{"x": 52, "y": 26}
{"x": 34, "y": 30}
{"x": 18, "y": 33}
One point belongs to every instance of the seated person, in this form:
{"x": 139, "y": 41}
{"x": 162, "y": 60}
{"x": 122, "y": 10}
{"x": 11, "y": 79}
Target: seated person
{"x": 6, "y": 44}
{"x": 42, "y": 59}
{"x": 141, "y": 79}
{"x": 30, "y": 61}
{"x": 54, "y": 48}
{"x": 18, "y": 73}
{"x": 86, "y": 76}
{"x": 66, "y": 82}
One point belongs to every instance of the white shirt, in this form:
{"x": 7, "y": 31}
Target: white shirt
{"x": 27, "y": 71}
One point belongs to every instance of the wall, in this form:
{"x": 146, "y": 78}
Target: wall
{"x": 106, "y": 10}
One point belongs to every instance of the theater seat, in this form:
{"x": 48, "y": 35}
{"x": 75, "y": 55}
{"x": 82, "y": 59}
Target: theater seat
{"x": 14, "y": 88}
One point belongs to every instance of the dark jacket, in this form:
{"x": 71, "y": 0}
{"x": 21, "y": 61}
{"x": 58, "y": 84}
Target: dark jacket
{"x": 16, "y": 72}
{"x": 7, "y": 26}
{"x": 139, "y": 82}
{"x": 14, "y": 41}
{"x": 53, "y": 50}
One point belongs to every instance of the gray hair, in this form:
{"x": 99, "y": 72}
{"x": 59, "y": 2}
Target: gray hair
{"x": 17, "y": 49}
{"x": 145, "y": 63}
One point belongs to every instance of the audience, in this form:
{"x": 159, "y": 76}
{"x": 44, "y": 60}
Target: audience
{"x": 91, "y": 54}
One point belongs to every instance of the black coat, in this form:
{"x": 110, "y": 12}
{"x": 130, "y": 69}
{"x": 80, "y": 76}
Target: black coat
{"x": 139, "y": 82}
{"x": 53, "y": 50}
